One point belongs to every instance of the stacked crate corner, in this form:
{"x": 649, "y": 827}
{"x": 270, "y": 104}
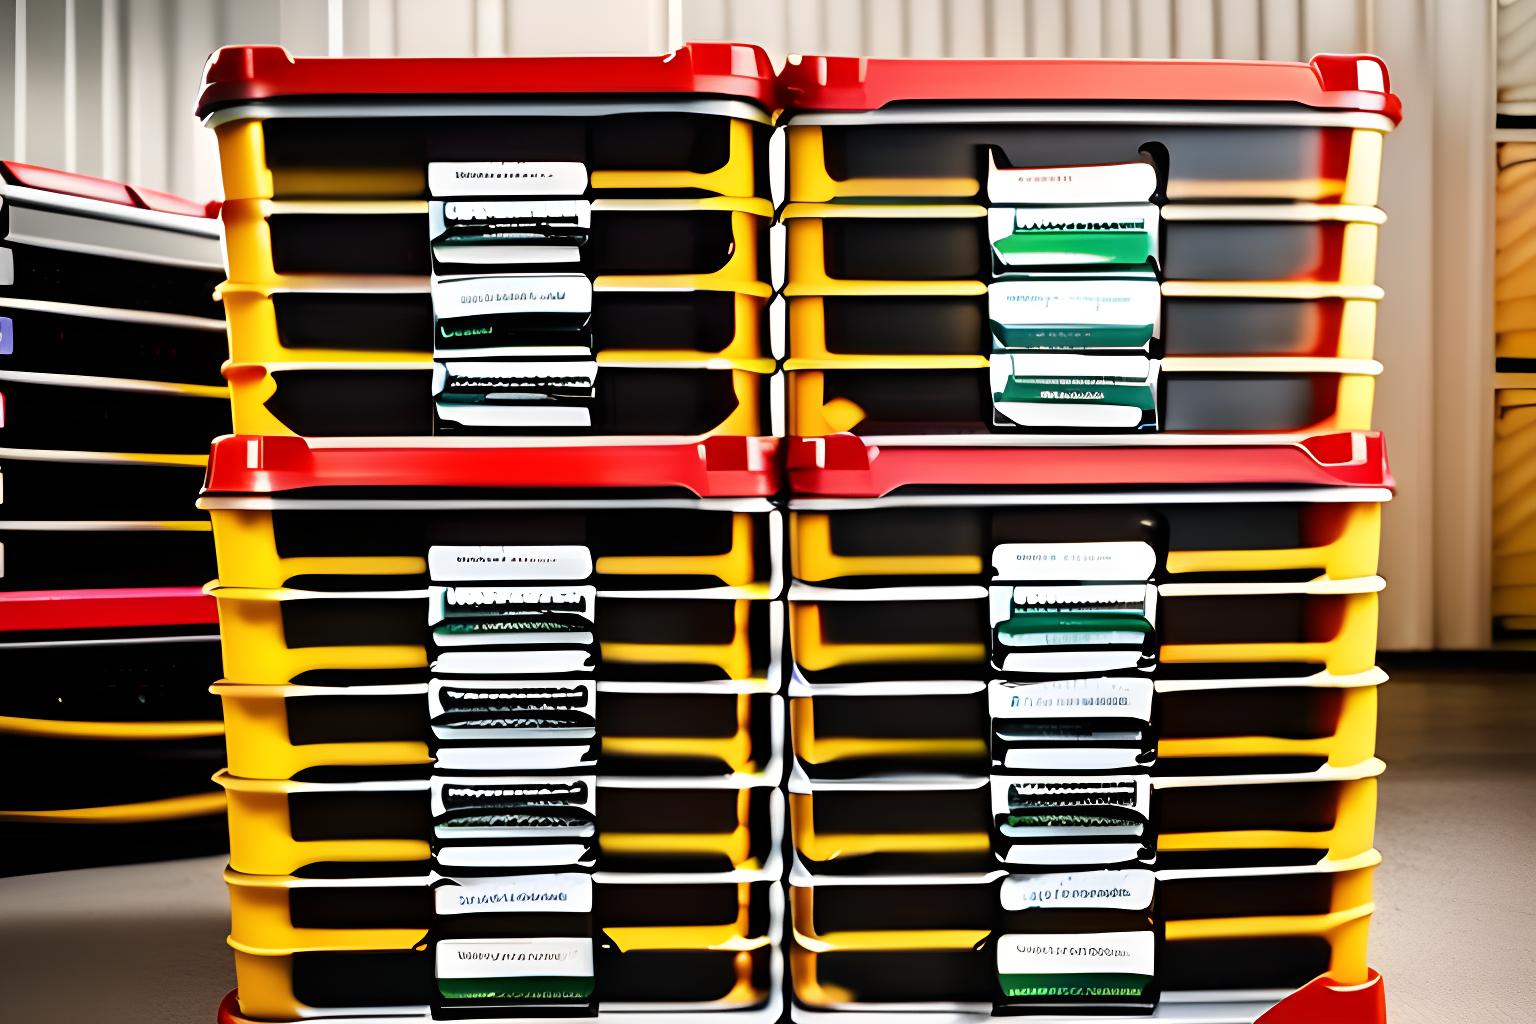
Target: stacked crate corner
{"x": 111, "y": 340}
{"x": 498, "y": 569}
{"x": 1084, "y": 519}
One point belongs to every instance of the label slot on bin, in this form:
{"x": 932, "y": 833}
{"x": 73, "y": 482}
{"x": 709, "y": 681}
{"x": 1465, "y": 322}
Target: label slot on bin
{"x": 514, "y": 824}
{"x": 1072, "y": 724}
{"x": 1023, "y": 238}
{"x": 1074, "y": 391}
{"x": 1073, "y": 819}
{"x": 1070, "y": 629}
{"x": 485, "y": 232}
{"x": 511, "y": 315}
{"x": 522, "y": 394}
{"x": 1134, "y": 182}
{"x": 1072, "y": 314}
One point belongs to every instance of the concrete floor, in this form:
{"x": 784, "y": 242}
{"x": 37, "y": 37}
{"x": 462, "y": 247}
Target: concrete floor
{"x": 1454, "y": 933}
{"x": 1455, "y": 925}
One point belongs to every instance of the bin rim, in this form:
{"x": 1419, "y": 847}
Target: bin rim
{"x": 240, "y": 74}
{"x": 1328, "y": 81}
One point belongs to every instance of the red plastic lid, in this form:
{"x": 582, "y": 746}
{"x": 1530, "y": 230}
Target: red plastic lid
{"x": 106, "y": 609}
{"x": 717, "y": 467}
{"x": 1324, "y": 1001}
{"x": 1333, "y": 81}
{"x": 843, "y": 465}
{"x": 237, "y": 74}
{"x": 67, "y": 183}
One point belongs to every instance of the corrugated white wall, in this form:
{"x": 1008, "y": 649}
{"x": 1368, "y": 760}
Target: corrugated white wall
{"x": 107, "y": 86}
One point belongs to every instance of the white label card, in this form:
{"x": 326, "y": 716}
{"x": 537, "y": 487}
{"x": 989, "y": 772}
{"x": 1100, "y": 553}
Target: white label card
{"x": 495, "y": 178}
{"x": 1080, "y": 792}
{"x": 458, "y": 792}
{"x": 1101, "y": 953}
{"x": 514, "y": 958}
{"x": 1094, "y": 560}
{"x": 1071, "y": 698}
{"x": 1090, "y": 183}
{"x": 576, "y": 211}
{"x": 1105, "y": 302}
{"x": 566, "y": 892}
{"x": 1003, "y": 221}
{"x": 509, "y": 562}
{"x": 512, "y": 293}
{"x": 1117, "y": 890}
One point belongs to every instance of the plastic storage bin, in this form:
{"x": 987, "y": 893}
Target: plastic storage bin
{"x": 107, "y": 317}
{"x": 110, "y": 735}
{"x": 721, "y": 829}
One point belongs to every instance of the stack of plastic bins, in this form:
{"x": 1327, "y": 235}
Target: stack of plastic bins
{"x": 570, "y": 246}
{"x": 110, "y": 345}
{"x": 1514, "y": 543}
{"x": 1083, "y": 709}
{"x": 521, "y": 689}
{"x": 495, "y": 702}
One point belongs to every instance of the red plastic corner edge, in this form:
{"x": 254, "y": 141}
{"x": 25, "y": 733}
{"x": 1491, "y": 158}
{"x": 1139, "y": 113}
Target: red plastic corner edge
{"x": 106, "y": 609}
{"x": 1324, "y": 1001}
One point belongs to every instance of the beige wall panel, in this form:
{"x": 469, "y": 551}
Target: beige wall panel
{"x": 1119, "y": 28}
{"x": 1154, "y": 29}
{"x": 1008, "y": 28}
{"x": 1194, "y": 29}
{"x": 1280, "y": 30}
{"x": 1048, "y": 28}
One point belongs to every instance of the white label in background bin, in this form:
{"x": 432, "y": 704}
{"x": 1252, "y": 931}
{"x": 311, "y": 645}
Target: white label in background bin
{"x": 512, "y": 293}
{"x": 512, "y": 757}
{"x": 1081, "y": 792}
{"x": 520, "y": 856}
{"x": 510, "y": 562}
{"x": 567, "y": 892}
{"x": 524, "y": 178}
{"x": 514, "y": 958}
{"x": 1003, "y": 220}
{"x": 1047, "y": 855}
{"x": 1090, "y": 183}
{"x": 1070, "y": 759}
{"x": 1116, "y": 890}
{"x": 578, "y": 212}
{"x": 1096, "y": 953}
{"x": 1104, "y": 302}
{"x": 1071, "y": 698}
{"x": 511, "y": 662}
{"x": 1093, "y": 369}
{"x": 1071, "y": 661}
{"x": 1089, "y": 560}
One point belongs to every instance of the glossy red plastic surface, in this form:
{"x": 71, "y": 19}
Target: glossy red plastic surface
{"x": 715, "y": 467}
{"x": 1323, "y": 1001}
{"x": 869, "y": 83}
{"x": 83, "y": 185}
{"x": 164, "y": 202}
{"x": 843, "y": 465}
{"x": 106, "y": 609}
{"x": 237, "y": 74}
{"x": 46, "y": 179}
{"x": 229, "y": 1010}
